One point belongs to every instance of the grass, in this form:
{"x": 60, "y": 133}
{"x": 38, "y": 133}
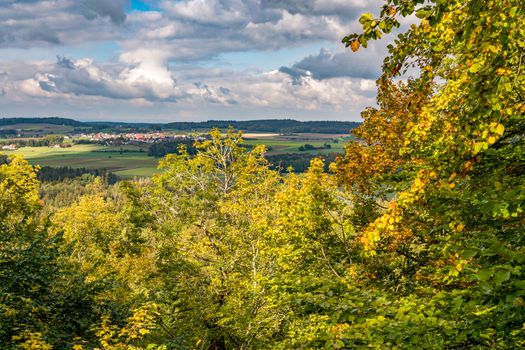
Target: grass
{"x": 135, "y": 164}
{"x": 130, "y": 164}
{"x": 292, "y": 146}
{"x": 136, "y": 173}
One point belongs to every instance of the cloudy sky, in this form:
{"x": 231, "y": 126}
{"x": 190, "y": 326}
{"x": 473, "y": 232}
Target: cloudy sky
{"x": 165, "y": 60}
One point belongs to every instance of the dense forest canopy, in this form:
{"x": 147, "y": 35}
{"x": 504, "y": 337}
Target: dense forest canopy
{"x": 415, "y": 239}
{"x": 265, "y": 125}
{"x": 271, "y": 125}
{"x": 49, "y": 120}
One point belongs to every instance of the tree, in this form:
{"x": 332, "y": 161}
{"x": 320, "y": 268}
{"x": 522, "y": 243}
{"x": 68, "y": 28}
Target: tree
{"x": 43, "y": 301}
{"x": 213, "y": 213}
{"x": 450, "y": 234}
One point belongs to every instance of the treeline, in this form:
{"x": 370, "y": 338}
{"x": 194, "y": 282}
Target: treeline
{"x": 270, "y": 125}
{"x": 56, "y": 174}
{"x": 310, "y": 147}
{"x": 162, "y": 148}
{"x": 286, "y": 126}
{"x": 7, "y": 133}
{"x": 300, "y": 162}
{"x": 48, "y": 140}
{"x": 46, "y": 120}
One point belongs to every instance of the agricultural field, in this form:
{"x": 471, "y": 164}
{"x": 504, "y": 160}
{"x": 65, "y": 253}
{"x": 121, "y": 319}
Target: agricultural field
{"x": 131, "y": 161}
{"x": 282, "y": 144}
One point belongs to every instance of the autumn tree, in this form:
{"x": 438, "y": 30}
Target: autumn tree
{"x": 450, "y": 236}
{"x": 212, "y": 214}
{"x": 44, "y": 302}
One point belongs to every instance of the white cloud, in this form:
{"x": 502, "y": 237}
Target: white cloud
{"x": 158, "y": 57}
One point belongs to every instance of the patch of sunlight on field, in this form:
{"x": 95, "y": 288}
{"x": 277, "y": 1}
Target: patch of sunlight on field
{"x": 86, "y": 156}
{"x": 292, "y": 146}
{"x": 136, "y": 173}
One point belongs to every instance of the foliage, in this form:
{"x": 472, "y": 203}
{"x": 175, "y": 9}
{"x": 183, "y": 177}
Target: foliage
{"x": 42, "y": 300}
{"x": 451, "y": 230}
{"x": 45, "y": 141}
{"x": 415, "y": 239}
{"x": 270, "y": 125}
{"x": 214, "y": 213}
{"x": 48, "y": 174}
{"x": 162, "y": 148}
{"x": 299, "y": 162}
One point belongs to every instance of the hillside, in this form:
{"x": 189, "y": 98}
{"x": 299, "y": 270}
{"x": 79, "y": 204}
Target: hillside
{"x": 264, "y": 125}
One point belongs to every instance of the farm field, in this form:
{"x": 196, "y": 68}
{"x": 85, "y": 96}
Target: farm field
{"x": 136, "y": 172}
{"x": 132, "y": 164}
{"x": 131, "y": 161}
{"x": 281, "y": 144}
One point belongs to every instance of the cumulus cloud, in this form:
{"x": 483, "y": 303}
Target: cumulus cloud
{"x": 190, "y": 29}
{"x": 164, "y": 57}
{"x": 188, "y": 86}
{"x": 202, "y": 29}
{"x": 114, "y": 9}
{"x": 31, "y": 23}
{"x": 364, "y": 64}
{"x": 349, "y": 9}
{"x": 213, "y": 12}
{"x": 148, "y": 81}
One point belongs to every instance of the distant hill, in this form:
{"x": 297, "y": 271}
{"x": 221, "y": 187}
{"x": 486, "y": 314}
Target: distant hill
{"x": 264, "y": 125}
{"x": 271, "y": 125}
{"x": 50, "y": 120}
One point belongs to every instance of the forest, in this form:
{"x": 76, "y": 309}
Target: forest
{"x": 414, "y": 238}
{"x": 265, "y": 125}
{"x": 271, "y": 125}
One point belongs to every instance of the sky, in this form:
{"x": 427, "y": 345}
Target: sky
{"x": 186, "y": 60}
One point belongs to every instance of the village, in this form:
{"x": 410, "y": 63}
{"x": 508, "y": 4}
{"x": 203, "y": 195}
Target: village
{"x": 124, "y": 138}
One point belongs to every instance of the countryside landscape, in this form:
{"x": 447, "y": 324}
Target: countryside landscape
{"x": 260, "y": 174}
{"x": 132, "y": 151}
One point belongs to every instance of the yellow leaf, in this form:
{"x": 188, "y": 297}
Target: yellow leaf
{"x": 460, "y": 227}
{"x": 500, "y": 129}
{"x": 355, "y": 45}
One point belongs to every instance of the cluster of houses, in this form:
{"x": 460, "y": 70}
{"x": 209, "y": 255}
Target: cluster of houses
{"x": 132, "y": 137}
{"x": 116, "y": 139}
{"x": 11, "y": 147}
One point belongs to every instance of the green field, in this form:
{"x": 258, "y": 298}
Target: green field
{"x": 291, "y": 144}
{"x": 132, "y": 161}
{"x": 137, "y": 172}
{"x": 38, "y": 129}
{"x": 129, "y": 164}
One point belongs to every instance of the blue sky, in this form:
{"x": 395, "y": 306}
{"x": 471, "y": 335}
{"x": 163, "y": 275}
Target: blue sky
{"x": 163, "y": 60}
{"x": 137, "y": 5}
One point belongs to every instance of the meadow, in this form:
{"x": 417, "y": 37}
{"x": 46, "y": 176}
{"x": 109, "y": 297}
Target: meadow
{"x": 126, "y": 164}
{"x": 132, "y": 161}
{"x": 281, "y": 144}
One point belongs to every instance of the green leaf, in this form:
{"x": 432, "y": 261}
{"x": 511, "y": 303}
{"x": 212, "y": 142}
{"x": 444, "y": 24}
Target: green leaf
{"x": 469, "y": 253}
{"x": 367, "y": 17}
{"x": 501, "y": 276}
{"x": 484, "y": 275}
{"x": 423, "y": 13}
